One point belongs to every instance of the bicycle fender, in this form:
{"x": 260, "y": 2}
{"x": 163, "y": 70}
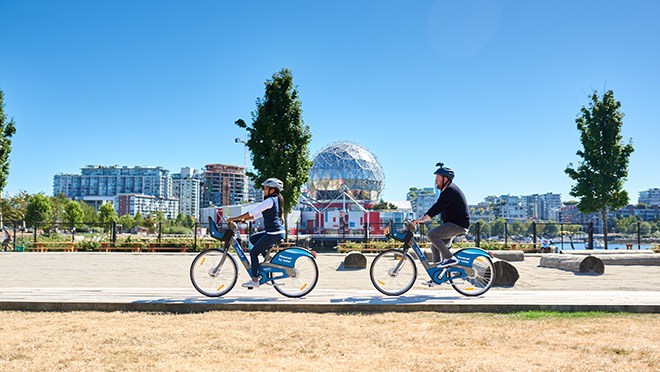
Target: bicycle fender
{"x": 288, "y": 256}
{"x": 467, "y": 255}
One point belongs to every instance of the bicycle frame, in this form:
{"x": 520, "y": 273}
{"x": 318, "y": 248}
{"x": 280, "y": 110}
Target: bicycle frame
{"x": 439, "y": 275}
{"x": 281, "y": 263}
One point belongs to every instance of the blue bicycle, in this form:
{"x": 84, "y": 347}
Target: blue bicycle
{"x": 292, "y": 272}
{"x": 393, "y": 272}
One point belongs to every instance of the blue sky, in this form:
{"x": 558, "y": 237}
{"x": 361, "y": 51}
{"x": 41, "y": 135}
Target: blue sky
{"x": 491, "y": 88}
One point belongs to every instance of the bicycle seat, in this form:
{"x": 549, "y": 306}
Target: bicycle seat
{"x": 268, "y": 252}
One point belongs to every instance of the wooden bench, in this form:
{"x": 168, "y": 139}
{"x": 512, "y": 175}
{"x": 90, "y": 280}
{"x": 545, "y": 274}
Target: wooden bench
{"x": 181, "y": 247}
{"x": 107, "y": 247}
{"x": 57, "y": 246}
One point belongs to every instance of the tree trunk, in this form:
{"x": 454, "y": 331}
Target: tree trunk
{"x": 604, "y": 212}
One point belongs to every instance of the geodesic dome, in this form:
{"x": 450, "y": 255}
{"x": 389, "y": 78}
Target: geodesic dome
{"x": 348, "y": 166}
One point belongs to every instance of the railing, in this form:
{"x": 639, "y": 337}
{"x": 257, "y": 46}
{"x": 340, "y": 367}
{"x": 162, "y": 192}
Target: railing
{"x": 496, "y": 234}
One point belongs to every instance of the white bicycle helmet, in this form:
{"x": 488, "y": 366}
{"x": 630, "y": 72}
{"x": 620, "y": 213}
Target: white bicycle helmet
{"x": 274, "y": 183}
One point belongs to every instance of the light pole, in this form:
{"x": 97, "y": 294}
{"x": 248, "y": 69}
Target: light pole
{"x": 245, "y": 162}
{"x": 245, "y": 156}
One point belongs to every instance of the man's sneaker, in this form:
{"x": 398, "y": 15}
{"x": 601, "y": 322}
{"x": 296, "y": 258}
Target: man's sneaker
{"x": 448, "y": 262}
{"x": 428, "y": 283}
{"x": 251, "y": 284}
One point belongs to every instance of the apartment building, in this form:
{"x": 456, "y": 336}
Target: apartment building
{"x": 421, "y": 200}
{"x": 223, "y": 185}
{"x": 146, "y": 204}
{"x": 99, "y": 184}
{"x": 650, "y": 197}
{"x": 186, "y": 186}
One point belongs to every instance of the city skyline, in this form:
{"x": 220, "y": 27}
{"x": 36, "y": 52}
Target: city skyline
{"x": 654, "y": 191}
{"x": 491, "y": 88}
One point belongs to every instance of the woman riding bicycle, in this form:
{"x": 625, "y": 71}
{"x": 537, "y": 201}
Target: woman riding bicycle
{"x": 272, "y": 211}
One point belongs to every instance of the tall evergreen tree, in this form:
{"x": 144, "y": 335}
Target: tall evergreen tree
{"x": 278, "y": 138}
{"x": 604, "y": 166}
{"x": 7, "y": 130}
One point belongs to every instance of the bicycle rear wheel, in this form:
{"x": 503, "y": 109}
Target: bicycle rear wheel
{"x": 302, "y": 282}
{"x": 480, "y": 277}
{"x": 392, "y": 272}
{"x": 206, "y": 279}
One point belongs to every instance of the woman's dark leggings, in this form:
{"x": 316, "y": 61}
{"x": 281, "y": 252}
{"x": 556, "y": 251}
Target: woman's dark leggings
{"x": 261, "y": 241}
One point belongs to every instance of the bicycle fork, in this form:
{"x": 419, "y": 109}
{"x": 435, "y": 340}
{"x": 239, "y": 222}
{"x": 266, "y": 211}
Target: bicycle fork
{"x": 215, "y": 270}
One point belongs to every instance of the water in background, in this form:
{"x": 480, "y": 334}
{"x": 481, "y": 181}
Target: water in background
{"x": 597, "y": 246}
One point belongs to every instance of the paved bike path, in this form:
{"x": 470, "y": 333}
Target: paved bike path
{"x": 322, "y": 300}
{"x": 160, "y": 282}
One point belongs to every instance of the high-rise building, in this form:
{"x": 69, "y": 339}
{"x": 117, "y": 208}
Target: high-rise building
{"x": 549, "y": 204}
{"x": 530, "y": 204}
{"x": 255, "y": 192}
{"x": 186, "y": 188}
{"x": 421, "y": 200}
{"x": 98, "y": 184}
{"x": 650, "y": 197}
{"x": 223, "y": 185}
{"x": 146, "y": 204}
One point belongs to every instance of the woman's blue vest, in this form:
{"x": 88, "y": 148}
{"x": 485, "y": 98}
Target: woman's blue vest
{"x": 272, "y": 221}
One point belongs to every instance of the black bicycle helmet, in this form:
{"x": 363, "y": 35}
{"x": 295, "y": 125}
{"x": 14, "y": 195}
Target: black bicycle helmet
{"x": 444, "y": 171}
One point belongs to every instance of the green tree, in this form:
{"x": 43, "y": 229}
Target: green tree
{"x": 39, "y": 210}
{"x": 189, "y": 222}
{"x": 180, "y": 219}
{"x": 90, "y": 215}
{"x": 604, "y": 166}
{"x": 14, "y": 208}
{"x": 622, "y": 225}
{"x": 518, "y": 228}
{"x": 278, "y": 138}
{"x": 149, "y": 223}
{"x": 497, "y": 226}
{"x": 57, "y": 205}
{"x": 126, "y": 221}
{"x": 138, "y": 219}
{"x": 7, "y": 130}
{"x": 73, "y": 213}
{"x": 107, "y": 213}
{"x": 383, "y": 205}
{"x": 551, "y": 228}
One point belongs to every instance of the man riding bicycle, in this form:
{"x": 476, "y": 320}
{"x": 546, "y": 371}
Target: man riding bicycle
{"x": 453, "y": 209}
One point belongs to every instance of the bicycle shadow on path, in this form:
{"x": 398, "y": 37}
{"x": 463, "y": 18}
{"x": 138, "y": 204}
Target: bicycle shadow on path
{"x": 382, "y": 300}
{"x": 367, "y": 300}
{"x": 206, "y": 300}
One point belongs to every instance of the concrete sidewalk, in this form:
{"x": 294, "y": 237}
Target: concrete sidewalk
{"x": 321, "y": 300}
{"x": 160, "y": 282}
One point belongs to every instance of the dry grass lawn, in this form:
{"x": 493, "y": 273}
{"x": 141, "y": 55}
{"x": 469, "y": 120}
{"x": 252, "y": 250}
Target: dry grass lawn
{"x": 271, "y": 341}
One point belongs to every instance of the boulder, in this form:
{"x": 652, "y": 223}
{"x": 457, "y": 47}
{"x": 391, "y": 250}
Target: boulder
{"x": 355, "y": 260}
{"x": 575, "y": 263}
{"x": 630, "y": 259}
{"x": 509, "y": 255}
{"x": 506, "y": 274}
{"x": 599, "y": 252}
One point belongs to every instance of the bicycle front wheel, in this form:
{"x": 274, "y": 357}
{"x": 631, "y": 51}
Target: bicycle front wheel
{"x": 209, "y": 278}
{"x": 303, "y": 281}
{"x": 480, "y": 277}
{"x": 392, "y": 272}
